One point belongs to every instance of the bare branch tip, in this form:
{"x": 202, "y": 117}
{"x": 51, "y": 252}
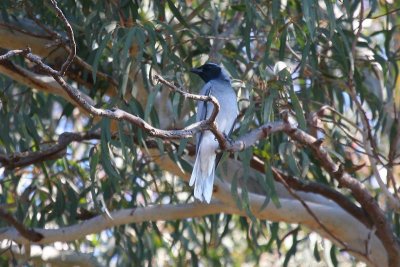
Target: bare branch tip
{"x": 319, "y": 142}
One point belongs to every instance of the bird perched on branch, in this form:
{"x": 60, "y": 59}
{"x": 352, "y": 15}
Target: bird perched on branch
{"x": 218, "y": 84}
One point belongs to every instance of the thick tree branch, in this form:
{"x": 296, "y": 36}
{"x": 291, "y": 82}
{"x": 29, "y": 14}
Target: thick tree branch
{"x": 222, "y": 192}
{"x": 125, "y": 216}
{"x": 27, "y": 158}
{"x": 360, "y": 193}
{"x": 317, "y": 188}
{"x": 118, "y": 114}
{"x": 290, "y": 211}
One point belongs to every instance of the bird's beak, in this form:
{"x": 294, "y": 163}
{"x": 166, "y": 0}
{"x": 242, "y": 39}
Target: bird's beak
{"x": 196, "y": 70}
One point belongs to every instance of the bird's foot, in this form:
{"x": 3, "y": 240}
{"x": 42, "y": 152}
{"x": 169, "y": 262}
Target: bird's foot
{"x": 227, "y": 138}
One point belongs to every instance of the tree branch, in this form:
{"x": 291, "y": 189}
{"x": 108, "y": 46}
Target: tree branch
{"x": 291, "y": 211}
{"x": 333, "y": 236}
{"x": 28, "y": 234}
{"x": 70, "y": 33}
{"x": 125, "y": 216}
{"x": 13, "y": 53}
{"x": 360, "y": 193}
{"x": 289, "y": 214}
{"x": 56, "y": 151}
{"x": 317, "y": 188}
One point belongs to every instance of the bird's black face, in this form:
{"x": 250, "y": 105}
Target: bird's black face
{"x": 208, "y": 71}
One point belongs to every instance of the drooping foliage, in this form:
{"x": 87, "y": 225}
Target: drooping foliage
{"x": 333, "y": 66}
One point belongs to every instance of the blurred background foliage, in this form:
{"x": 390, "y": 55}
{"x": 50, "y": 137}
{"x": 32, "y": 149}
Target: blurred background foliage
{"x": 125, "y": 42}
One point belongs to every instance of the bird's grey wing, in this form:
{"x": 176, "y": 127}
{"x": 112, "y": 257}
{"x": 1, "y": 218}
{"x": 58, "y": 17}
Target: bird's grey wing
{"x": 202, "y": 111}
{"x": 219, "y": 155}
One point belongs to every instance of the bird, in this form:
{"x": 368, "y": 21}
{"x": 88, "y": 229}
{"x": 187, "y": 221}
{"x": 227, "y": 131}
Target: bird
{"x": 217, "y": 84}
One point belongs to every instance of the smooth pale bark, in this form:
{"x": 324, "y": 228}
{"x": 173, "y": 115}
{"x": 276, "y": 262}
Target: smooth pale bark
{"x": 339, "y": 222}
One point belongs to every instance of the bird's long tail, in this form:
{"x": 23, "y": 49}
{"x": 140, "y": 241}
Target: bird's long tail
{"x": 203, "y": 173}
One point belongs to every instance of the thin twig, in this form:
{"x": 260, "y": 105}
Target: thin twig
{"x": 387, "y": 13}
{"x": 13, "y": 53}
{"x": 70, "y": 33}
{"x": 223, "y": 143}
{"x": 312, "y": 214}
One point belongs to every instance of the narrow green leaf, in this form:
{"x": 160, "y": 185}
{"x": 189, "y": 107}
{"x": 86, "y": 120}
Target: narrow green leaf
{"x": 316, "y": 252}
{"x": 177, "y": 104}
{"x": 239, "y": 7}
{"x": 150, "y": 101}
{"x": 177, "y": 14}
{"x": 269, "y": 104}
{"x": 266, "y": 190}
{"x": 331, "y": 16}
{"x": 128, "y": 43}
{"x": 292, "y": 164}
{"x": 304, "y": 55}
{"x": 140, "y": 37}
{"x": 72, "y": 204}
{"x": 248, "y": 118}
{"x": 194, "y": 259}
{"x": 282, "y": 45}
{"x": 270, "y": 183}
{"x": 105, "y": 152}
{"x": 270, "y": 38}
{"x": 305, "y": 164}
{"x": 292, "y": 251}
{"x": 125, "y": 78}
{"x": 31, "y": 129}
{"x": 246, "y": 37}
{"x": 152, "y": 36}
{"x": 333, "y": 253}
{"x": 273, "y": 228}
{"x": 5, "y": 140}
{"x": 98, "y": 55}
{"x": 234, "y": 191}
{"x": 93, "y": 162}
{"x": 297, "y": 108}
{"x": 60, "y": 202}
{"x": 182, "y": 145}
{"x": 246, "y": 205}
{"x": 309, "y": 15}
{"x": 276, "y": 10}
